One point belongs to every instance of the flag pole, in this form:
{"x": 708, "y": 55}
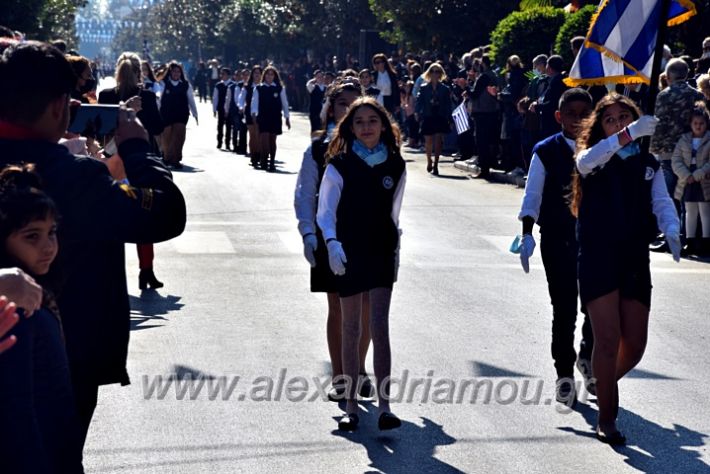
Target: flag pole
{"x": 658, "y": 55}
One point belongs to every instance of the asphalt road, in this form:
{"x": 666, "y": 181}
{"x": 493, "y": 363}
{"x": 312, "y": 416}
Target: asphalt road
{"x": 236, "y": 303}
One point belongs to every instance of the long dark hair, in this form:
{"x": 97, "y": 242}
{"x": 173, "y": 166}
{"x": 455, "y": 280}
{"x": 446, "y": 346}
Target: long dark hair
{"x": 388, "y": 66}
{"x": 334, "y": 91}
{"x": 592, "y": 132}
{"x": 251, "y": 75}
{"x": 277, "y": 78}
{"x": 21, "y": 201}
{"x": 344, "y": 136}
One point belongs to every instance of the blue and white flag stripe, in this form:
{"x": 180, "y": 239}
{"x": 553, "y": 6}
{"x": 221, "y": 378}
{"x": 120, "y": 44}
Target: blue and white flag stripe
{"x": 460, "y": 116}
{"x": 621, "y": 40}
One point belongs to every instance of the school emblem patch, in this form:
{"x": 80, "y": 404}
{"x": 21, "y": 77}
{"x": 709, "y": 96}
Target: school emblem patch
{"x": 649, "y": 173}
{"x": 276, "y": 94}
{"x": 387, "y": 182}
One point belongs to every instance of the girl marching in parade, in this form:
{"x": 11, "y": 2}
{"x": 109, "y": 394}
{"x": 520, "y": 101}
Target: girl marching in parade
{"x": 245, "y": 104}
{"x": 358, "y": 212}
{"x": 338, "y": 98}
{"x": 268, "y": 103}
{"x": 615, "y": 197}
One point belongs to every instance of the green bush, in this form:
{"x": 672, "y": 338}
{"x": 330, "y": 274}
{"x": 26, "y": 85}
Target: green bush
{"x": 526, "y": 33}
{"x": 577, "y": 24}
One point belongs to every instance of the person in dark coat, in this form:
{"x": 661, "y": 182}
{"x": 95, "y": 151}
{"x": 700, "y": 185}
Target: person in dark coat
{"x": 433, "y": 107}
{"x": 385, "y": 80}
{"x": 99, "y": 214}
{"x": 128, "y": 85}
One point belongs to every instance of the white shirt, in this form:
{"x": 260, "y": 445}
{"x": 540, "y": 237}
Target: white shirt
{"x": 384, "y": 84}
{"x": 661, "y": 202}
{"x": 535, "y": 185}
{"x": 255, "y": 100}
{"x": 329, "y": 196}
{"x": 305, "y": 199}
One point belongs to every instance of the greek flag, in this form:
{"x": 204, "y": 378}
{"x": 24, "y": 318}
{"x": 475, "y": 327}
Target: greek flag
{"x": 621, "y": 40}
{"x": 460, "y": 116}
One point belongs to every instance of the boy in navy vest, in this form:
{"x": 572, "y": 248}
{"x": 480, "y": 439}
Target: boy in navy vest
{"x": 220, "y": 108}
{"x": 546, "y": 202}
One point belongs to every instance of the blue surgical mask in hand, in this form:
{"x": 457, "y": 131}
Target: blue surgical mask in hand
{"x": 631, "y": 149}
{"x": 515, "y": 246}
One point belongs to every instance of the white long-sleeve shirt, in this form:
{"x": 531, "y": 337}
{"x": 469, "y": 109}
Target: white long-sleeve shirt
{"x": 255, "y": 100}
{"x": 662, "y": 204}
{"x": 329, "y": 194}
{"x": 305, "y": 200}
{"x": 535, "y": 185}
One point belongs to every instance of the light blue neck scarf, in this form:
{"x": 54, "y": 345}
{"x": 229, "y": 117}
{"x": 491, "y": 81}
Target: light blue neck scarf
{"x": 373, "y": 156}
{"x": 631, "y": 149}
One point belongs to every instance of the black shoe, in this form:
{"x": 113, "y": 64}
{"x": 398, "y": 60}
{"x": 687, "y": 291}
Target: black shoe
{"x": 336, "y": 393}
{"x": 388, "y": 421}
{"x": 565, "y": 392}
{"x": 435, "y": 171}
{"x": 365, "y": 388}
{"x": 146, "y": 278}
{"x": 272, "y": 168}
{"x": 615, "y": 439}
{"x": 659, "y": 245}
{"x": 585, "y": 368}
{"x": 349, "y": 422}
{"x": 177, "y": 166}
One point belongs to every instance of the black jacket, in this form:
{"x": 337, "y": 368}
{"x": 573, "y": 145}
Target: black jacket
{"x": 391, "y": 102}
{"x": 99, "y": 215}
{"x": 149, "y": 114}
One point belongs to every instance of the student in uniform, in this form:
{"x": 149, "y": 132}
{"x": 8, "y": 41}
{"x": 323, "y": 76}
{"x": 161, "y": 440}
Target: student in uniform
{"x": 220, "y": 108}
{"x": 358, "y": 212}
{"x": 239, "y": 129}
{"x": 176, "y": 104}
{"x": 615, "y": 196}
{"x": 546, "y": 202}
{"x": 316, "y": 92}
{"x": 338, "y": 98}
{"x": 268, "y": 103}
{"x": 369, "y": 90}
{"x": 245, "y": 105}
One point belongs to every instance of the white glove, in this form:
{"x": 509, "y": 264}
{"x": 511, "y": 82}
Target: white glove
{"x": 674, "y": 244}
{"x": 699, "y": 174}
{"x": 336, "y": 257}
{"x": 643, "y": 127}
{"x": 527, "y": 247}
{"x": 310, "y": 244}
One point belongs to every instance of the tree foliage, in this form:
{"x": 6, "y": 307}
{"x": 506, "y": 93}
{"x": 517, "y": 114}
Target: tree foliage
{"x": 443, "y": 25}
{"x": 42, "y": 19}
{"x": 526, "y": 33}
{"x": 576, "y": 24}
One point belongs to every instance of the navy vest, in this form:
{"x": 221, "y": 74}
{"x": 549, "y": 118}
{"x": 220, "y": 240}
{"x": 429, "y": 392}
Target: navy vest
{"x": 558, "y": 159}
{"x": 173, "y": 103}
{"x": 616, "y": 204}
{"x": 221, "y": 96}
{"x": 318, "y": 149}
{"x": 317, "y": 96}
{"x": 364, "y": 216}
{"x": 269, "y": 100}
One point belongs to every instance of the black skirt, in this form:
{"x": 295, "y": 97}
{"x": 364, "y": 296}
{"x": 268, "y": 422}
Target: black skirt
{"x": 434, "y": 124}
{"x": 693, "y": 192}
{"x": 322, "y": 279}
{"x": 608, "y": 268}
{"x": 364, "y": 272}
{"x": 270, "y": 123}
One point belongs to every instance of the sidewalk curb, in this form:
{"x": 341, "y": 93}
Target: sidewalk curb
{"x": 495, "y": 176}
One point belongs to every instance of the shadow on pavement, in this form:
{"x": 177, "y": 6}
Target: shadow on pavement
{"x": 186, "y": 169}
{"x": 651, "y": 448}
{"x": 409, "y": 448}
{"x": 150, "y": 308}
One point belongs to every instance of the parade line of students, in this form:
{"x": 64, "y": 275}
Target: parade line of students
{"x": 598, "y": 197}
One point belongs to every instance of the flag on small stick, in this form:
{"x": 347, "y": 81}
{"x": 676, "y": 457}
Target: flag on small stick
{"x": 460, "y": 116}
